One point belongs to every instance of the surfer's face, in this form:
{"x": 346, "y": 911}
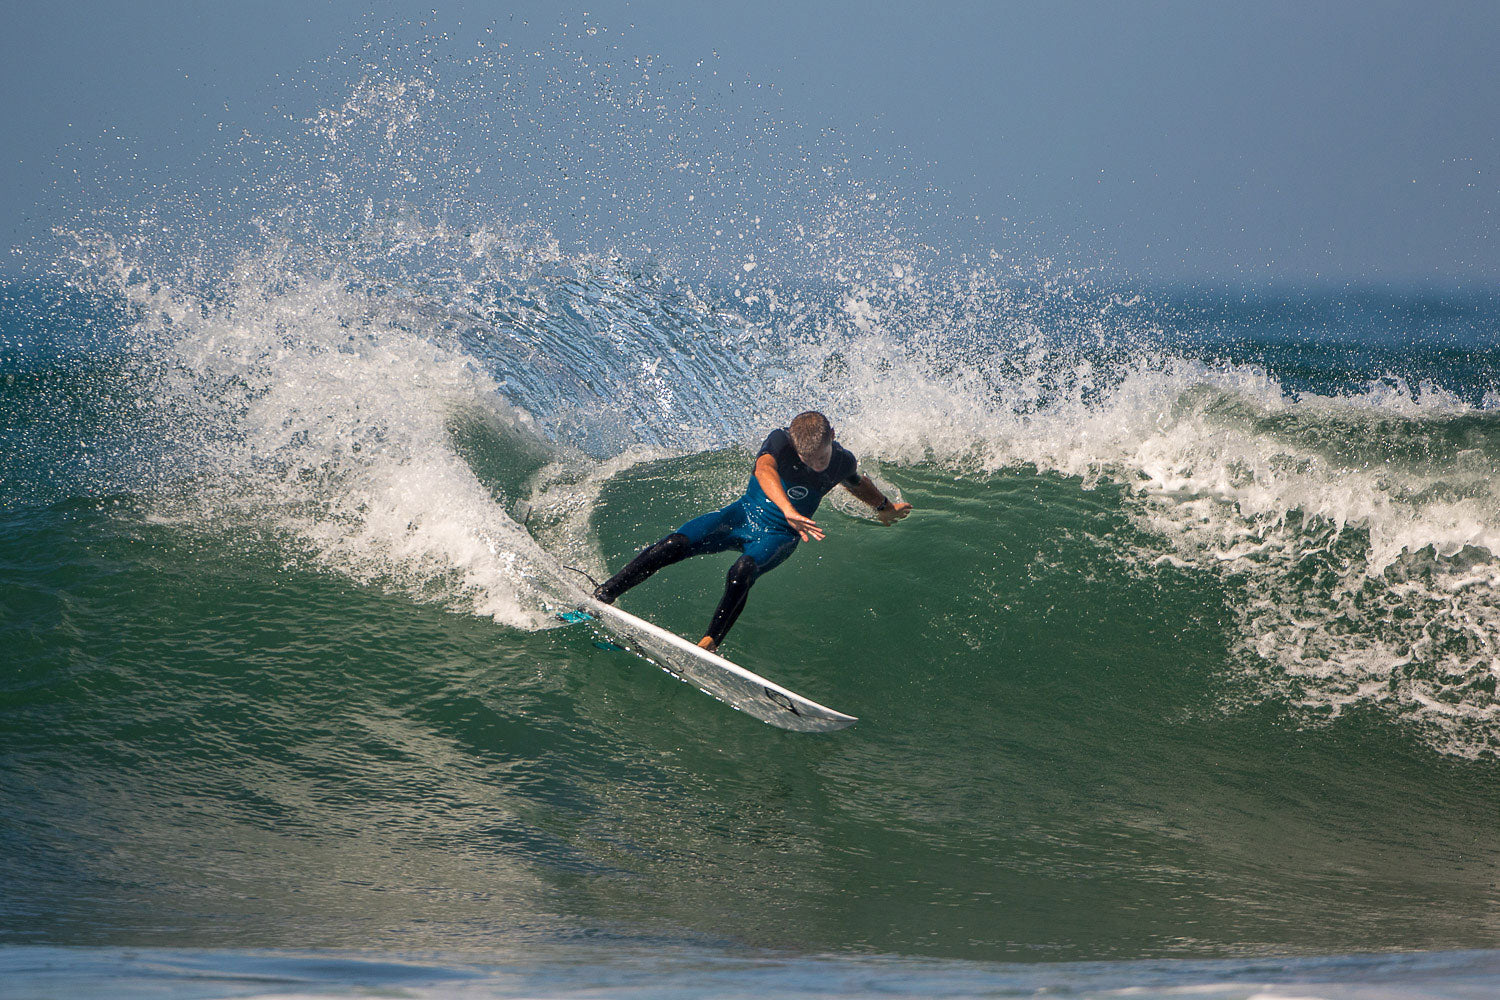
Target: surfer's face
{"x": 818, "y": 460}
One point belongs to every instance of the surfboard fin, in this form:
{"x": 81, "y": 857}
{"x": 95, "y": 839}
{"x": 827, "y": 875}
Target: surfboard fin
{"x": 578, "y": 617}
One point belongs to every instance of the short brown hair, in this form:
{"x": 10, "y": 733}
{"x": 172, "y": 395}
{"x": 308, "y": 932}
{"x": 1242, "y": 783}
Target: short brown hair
{"x": 810, "y": 431}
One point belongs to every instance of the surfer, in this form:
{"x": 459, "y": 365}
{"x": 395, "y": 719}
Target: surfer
{"x": 794, "y": 469}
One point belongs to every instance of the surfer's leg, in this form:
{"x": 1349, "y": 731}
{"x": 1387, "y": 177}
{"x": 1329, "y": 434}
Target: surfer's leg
{"x": 762, "y": 555}
{"x": 673, "y": 548}
{"x": 736, "y": 590}
{"x": 697, "y": 537}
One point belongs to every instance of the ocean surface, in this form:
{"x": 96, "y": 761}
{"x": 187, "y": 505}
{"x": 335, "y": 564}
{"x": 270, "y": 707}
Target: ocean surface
{"x": 1179, "y": 680}
{"x": 1193, "y": 657}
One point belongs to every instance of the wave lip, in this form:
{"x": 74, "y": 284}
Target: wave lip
{"x": 324, "y": 416}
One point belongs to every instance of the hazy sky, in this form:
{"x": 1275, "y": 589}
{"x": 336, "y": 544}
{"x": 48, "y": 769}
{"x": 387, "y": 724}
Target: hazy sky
{"x": 1331, "y": 142}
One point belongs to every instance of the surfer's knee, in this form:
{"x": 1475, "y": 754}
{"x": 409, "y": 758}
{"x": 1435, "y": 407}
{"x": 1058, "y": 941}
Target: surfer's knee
{"x": 674, "y": 546}
{"x": 671, "y": 549}
{"x": 736, "y": 589}
{"x": 664, "y": 553}
{"x": 743, "y": 572}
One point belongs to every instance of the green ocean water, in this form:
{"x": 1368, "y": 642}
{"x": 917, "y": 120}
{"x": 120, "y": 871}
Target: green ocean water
{"x": 242, "y": 711}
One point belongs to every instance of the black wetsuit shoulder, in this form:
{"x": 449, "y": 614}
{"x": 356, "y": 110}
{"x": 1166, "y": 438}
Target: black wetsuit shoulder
{"x": 805, "y": 488}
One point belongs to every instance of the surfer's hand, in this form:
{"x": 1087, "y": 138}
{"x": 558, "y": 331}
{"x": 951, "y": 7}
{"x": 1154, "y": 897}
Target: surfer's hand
{"x": 806, "y": 527}
{"x": 893, "y": 513}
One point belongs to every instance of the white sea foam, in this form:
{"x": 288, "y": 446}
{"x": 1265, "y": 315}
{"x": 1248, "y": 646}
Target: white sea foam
{"x": 324, "y": 416}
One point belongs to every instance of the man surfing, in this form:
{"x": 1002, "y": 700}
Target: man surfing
{"x": 794, "y": 469}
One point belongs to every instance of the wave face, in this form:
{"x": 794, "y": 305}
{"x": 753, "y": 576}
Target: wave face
{"x": 1190, "y": 648}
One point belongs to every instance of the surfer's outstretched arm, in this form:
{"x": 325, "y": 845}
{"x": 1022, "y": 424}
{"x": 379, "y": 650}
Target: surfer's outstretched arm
{"x": 888, "y": 512}
{"x": 769, "y": 477}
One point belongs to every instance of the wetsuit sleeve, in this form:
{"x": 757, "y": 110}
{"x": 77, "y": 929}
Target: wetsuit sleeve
{"x": 851, "y": 469}
{"x": 776, "y": 444}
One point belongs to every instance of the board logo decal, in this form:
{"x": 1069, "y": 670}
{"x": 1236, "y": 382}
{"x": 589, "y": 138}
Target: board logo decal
{"x": 781, "y": 700}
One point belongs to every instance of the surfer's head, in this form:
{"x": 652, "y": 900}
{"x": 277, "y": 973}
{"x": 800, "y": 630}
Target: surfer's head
{"x": 812, "y": 436}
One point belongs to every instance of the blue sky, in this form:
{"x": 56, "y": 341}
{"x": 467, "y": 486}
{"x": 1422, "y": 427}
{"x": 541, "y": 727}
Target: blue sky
{"x": 1269, "y": 142}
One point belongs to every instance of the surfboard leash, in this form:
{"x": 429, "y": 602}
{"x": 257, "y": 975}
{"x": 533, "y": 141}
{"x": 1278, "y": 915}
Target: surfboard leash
{"x": 583, "y": 574}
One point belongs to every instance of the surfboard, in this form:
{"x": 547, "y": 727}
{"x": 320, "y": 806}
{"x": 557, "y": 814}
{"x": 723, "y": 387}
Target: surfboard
{"x": 713, "y": 674}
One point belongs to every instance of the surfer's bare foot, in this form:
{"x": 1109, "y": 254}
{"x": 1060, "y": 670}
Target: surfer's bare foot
{"x": 708, "y": 643}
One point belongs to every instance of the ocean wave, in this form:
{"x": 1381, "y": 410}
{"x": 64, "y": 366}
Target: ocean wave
{"x": 429, "y": 392}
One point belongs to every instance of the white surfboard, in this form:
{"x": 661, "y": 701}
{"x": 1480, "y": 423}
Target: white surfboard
{"x": 713, "y": 675}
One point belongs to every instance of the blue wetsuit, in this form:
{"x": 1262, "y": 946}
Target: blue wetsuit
{"x": 755, "y": 525}
{"x": 752, "y": 524}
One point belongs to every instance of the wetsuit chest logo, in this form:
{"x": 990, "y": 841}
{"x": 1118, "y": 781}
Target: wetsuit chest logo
{"x": 797, "y": 492}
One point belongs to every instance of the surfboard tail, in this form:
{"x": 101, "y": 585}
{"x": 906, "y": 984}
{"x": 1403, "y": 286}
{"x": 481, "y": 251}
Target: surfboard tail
{"x": 713, "y": 674}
